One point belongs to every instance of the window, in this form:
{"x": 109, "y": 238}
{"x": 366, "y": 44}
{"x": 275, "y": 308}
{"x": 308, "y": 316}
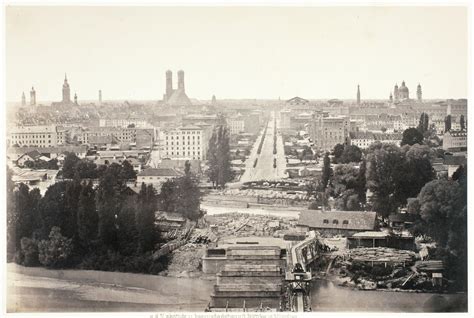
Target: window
{"x": 335, "y": 222}
{"x": 325, "y": 221}
{"x": 345, "y": 222}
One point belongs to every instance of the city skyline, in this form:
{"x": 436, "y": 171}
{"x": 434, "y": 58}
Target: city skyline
{"x": 315, "y": 53}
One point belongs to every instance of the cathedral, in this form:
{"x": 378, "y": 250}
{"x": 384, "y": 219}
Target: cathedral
{"x": 66, "y": 93}
{"x": 402, "y": 93}
{"x": 175, "y": 97}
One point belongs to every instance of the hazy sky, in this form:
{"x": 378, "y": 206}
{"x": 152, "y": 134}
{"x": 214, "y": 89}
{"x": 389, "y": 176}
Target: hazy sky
{"x": 244, "y": 52}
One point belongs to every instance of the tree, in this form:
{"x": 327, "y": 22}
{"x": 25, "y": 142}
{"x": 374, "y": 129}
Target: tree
{"x": 220, "y": 171}
{"x": 55, "y": 251}
{"x": 327, "y": 171}
{"x": 145, "y": 217}
{"x": 447, "y": 123}
{"x": 412, "y": 136}
{"x": 86, "y": 169}
{"x": 108, "y": 202}
{"x": 383, "y": 129}
{"x": 188, "y": 195}
{"x": 337, "y": 152}
{"x": 442, "y": 215}
{"x": 87, "y": 217}
{"x": 69, "y": 165}
{"x": 167, "y": 197}
{"x": 462, "y": 122}
{"x": 384, "y": 162}
{"x": 351, "y": 153}
{"x": 127, "y": 235}
{"x": 127, "y": 172}
{"x": 23, "y": 215}
{"x": 53, "y": 209}
{"x": 345, "y": 187}
{"x": 423, "y": 124}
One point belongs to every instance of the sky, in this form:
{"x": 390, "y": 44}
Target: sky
{"x": 236, "y": 52}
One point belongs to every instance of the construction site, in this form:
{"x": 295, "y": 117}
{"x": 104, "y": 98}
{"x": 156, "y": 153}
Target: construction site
{"x": 262, "y": 263}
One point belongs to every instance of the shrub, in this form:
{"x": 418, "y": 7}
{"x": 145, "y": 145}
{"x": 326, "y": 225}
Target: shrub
{"x": 29, "y": 252}
{"x": 56, "y": 251}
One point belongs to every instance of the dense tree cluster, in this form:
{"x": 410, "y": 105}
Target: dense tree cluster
{"x": 441, "y": 210}
{"x": 346, "y": 154}
{"x": 40, "y": 164}
{"x": 395, "y": 174}
{"x": 86, "y": 169}
{"x": 348, "y": 187}
{"x": 412, "y": 136}
{"x": 105, "y": 227}
{"x": 218, "y": 154}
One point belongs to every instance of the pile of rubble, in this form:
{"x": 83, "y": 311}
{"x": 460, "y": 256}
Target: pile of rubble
{"x": 381, "y": 255}
{"x": 270, "y": 194}
{"x": 186, "y": 261}
{"x": 240, "y": 224}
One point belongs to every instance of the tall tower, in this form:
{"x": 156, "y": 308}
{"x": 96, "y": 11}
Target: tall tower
{"x": 32, "y": 96}
{"x": 23, "y": 100}
{"x": 358, "y": 95}
{"x": 66, "y": 91}
{"x": 181, "y": 79}
{"x": 395, "y": 92}
{"x": 418, "y": 92}
{"x": 214, "y": 100}
{"x": 100, "y": 96}
{"x": 169, "y": 84}
{"x": 391, "y": 98}
{"x": 75, "y": 99}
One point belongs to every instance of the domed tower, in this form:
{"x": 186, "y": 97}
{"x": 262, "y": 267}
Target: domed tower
{"x": 66, "y": 91}
{"x": 395, "y": 92}
{"x": 23, "y": 100}
{"x": 181, "y": 79}
{"x": 403, "y": 92}
{"x": 32, "y": 97}
{"x": 418, "y": 92}
{"x": 169, "y": 84}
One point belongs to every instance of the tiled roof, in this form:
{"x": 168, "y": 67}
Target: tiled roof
{"x": 157, "y": 172}
{"x": 356, "y": 220}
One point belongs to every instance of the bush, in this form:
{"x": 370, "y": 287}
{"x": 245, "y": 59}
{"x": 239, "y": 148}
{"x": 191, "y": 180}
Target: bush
{"x": 56, "y": 251}
{"x": 29, "y": 252}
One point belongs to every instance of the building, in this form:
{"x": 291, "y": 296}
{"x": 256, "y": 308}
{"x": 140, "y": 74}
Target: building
{"x": 124, "y": 122}
{"x": 156, "y": 176}
{"x": 297, "y": 101}
{"x": 32, "y": 97}
{"x": 401, "y": 93}
{"x": 326, "y": 132}
{"x": 33, "y": 156}
{"x": 176, "y": 97}
{"x": 419, "y": 93}
{"x": 455, "y": 140}
{"x": 66, "y": 91}
{"x": 285, "y": 119}
{"x": 236, "y": 124}
{"x": 457, "y": 108}
{"x": 364, "y": 140}
{"x": 185, "y": 143}
{"x": 34, "y": 136}
{"x": 23, "y": 99}
{"x": 358, "y": 95}
{"x": 336, "y": 222}
{"x": 381, "y": 239}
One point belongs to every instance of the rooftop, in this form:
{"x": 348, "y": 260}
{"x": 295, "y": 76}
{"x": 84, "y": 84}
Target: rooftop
{"x": 350, "y": 220}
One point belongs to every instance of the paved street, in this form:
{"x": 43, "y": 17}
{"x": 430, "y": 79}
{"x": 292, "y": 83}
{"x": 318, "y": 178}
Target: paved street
{"x": 264, "y": 169}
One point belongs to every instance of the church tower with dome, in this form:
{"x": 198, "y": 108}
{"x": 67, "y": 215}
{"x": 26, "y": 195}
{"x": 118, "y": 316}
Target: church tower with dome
{"x": 403, "y": 92}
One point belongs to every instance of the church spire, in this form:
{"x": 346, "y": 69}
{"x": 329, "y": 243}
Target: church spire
{"x": 358, "y": 94}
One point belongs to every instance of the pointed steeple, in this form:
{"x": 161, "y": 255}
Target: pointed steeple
{"x": 358, "y": 94}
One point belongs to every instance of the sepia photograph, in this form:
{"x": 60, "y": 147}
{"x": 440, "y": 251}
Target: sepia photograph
{"x": 235, "y": 158}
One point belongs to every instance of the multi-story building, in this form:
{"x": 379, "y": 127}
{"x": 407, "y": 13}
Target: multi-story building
{"x": 185, "y": 143}
{"x": 285, "y": 119}
{"x": 124, "y": 123}
{"x": 455, "y": 140}
{"x": 457, "y": 108}
{"x": 33, "y": 136}
{"x": 140, "y": 137}
{"x": 236, "y": 124}
{"x": 326, "y": 132}
{"x": 364, "y": 140}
